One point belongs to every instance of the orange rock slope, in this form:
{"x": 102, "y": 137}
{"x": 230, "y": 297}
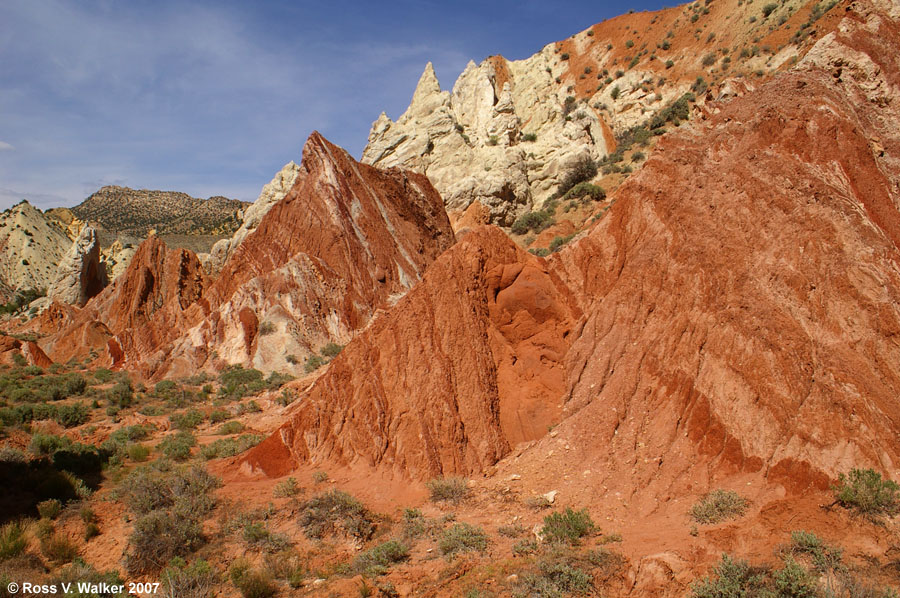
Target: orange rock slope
{"x": 346, "y": 239}
{"x": 740, "y": 307}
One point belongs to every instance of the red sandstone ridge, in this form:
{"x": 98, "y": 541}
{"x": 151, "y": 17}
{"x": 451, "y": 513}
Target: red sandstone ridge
{"x": 347, "y": 239}
{"x": 466, "y": 365}
{"x": 132, "y": 319}
{"x": 741, "y": 311}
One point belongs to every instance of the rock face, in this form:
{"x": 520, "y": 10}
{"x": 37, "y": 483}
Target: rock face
{"x": 30, "y": 249}
{"x": 471, "y": 142}
{"x": 742, "y": 320}
{"x": 469, "y": 363}
{"x": 509, "y": 130}
{"x": 273, "y": 192}
{"x": 345, "y": 241}
{"x": 80, "y": 275}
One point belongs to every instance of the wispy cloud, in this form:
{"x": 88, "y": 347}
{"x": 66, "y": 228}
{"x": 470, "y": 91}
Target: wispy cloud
{"x": 213, "y": 97}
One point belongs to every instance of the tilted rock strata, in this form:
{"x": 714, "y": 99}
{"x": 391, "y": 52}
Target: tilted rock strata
{"x": 80, "y": 275}
{"x": 272, "y": 192}
{"x": 31, "y": 246}
{"x": 466, "y": 365}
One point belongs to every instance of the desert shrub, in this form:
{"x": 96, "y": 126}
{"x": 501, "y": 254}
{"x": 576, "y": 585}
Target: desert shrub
{"x": 81, "y": 572}
{"x": 451, "y": 489}
{"x": 257, "y": 536}
{"x": 160, "y": 536}
{"x": 529, "y": 137}
{"x": 236, "y": 382}
{"x": 532, "y": 221}
{"x": 90, "y": 531}
{"x": 12, "y": 540}
{"x": 47, "y": 444}
{"x": 717, "y": 506}
{"x": 584, "y": 189}
{"x": 313, "y": 362}
{"x": 178, "y": 446}
{"x": 414, "y": 524}
{"x": 710, "y": 59}
{"x": 567, "y": 526}
{"x": 730, "y": 578}
{"x": 524, "y": 547}
{"x": 769, "y": 9}
{"x": 250, "y": 582}
{"x": 794, "y": 581}
{"x": 187, "y": 420}
{"x": 72, "y": 415}
{"x": 555, "y": 577}
{"x": 285, "y": 565}
{"x": 266, "y": 328}
{"x": 377, "y": 560}
{"x": 823, "y": 556}
{"x": 229, "y": 447}
{"x": 867, "y": 493}
{"x": 557, "y": 243}
{"x": 49, "y": 509}
{"x": 232, "y": 427}
{"x": 331, "y": 350}
{"x": 286, "y": 488}
{"x": 59, "y": 549}
{"x": 138, "y": 452}
{"x": 180, "y": 580}
{"x": 462, "y": 537}
{"x": 615, "y": 92}
{"x": 218, "y": 416}
{"x": 121, "y": 394}
{"x": 334, "y": 511}
{"x": 584, "y": 169}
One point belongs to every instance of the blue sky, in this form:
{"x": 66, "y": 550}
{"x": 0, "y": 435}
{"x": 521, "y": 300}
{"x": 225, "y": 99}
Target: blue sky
{"x": 212, "y": 98}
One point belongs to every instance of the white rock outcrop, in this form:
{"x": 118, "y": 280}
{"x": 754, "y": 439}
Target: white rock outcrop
{"x": 80, "y": 274}
{"x": 504, "y": 136}
{"x": 31, "y": 246}
{"x": 272, "y": 192}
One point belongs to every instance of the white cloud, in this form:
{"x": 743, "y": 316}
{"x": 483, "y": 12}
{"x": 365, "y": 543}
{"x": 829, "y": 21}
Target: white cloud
{"x": 6, "y": 147}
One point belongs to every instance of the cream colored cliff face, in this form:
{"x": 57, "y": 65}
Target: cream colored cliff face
{"x": 471, "y": 142}
{"x": 31, "y": 248}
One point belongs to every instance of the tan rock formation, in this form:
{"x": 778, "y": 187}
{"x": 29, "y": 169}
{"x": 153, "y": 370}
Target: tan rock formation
{"x": 80, "y": 275}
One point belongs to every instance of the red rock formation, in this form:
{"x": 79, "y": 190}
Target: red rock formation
{"x": 346, "y": 239}
{"x": 468, "y": 363}
{"x": 130, "y": 321}
{"x": 742, "y": 303}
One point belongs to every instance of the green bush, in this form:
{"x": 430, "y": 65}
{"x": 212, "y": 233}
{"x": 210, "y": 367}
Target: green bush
{"x": 331, "y": 350}
{"x": 232, "y": 427}
{"x": 529, "y": 137}
{"x": 717, "y": 506}
{"x": 614, "y": 94}
{"x": 557, "y": 243}
{"x": 377, "y": 560}
{"x": 180, "y": 580}
{"x": 178, "y": 446}
{"x": 58, "y": 549}
{"x": 335, "y": 511}
{"x": 159, "y": 536}
{"x": 584, "y": 189}
{"x": 138, "y": 452}
{"x": 568, "y": 526}
{"x": 769, "y": 9}
{"x": 313, "y": 362}
{"x": 286, "y": 488}
{"x": 49, "y": 509}
{"x": 229, "y": 447}
{"x": 532, "y": 221}
{"x": 867, "y": 493}
{"x": 12, "y": 540}
{"x": 584, "y": 169}
{"x": 710, "y": 59}
{"x": 462, "y": 537}
{"x": 824, "y": 557}
{"x": 451, "y": 490}
{"x": 731, "y": 578}
{"x": 187, "y": 420}
{"x": 252, "y": 583}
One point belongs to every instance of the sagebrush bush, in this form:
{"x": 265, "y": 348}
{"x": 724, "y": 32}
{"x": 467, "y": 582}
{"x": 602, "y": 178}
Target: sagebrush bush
{"x": 452, "y": 489}
{"x": 180, "y": 580}
{"x": 335, "y": 511}
{"x": 49, "y": 509}
{"x": 719, "y": 505}
{"x": 567, "y": 526}
{"x": 462, "y": 537}
{"x": 12, "y": 540}
{"x": 178, "y": 446}
{"x": 159, "y": 536}
{"x": 377, "y": 560}
{"x": 867, "y": 493}
{"x": 59, "y": 549}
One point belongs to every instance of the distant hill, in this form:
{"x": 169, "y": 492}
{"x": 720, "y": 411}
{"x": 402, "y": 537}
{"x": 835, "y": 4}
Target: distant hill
{"x": 136, "y": 212}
